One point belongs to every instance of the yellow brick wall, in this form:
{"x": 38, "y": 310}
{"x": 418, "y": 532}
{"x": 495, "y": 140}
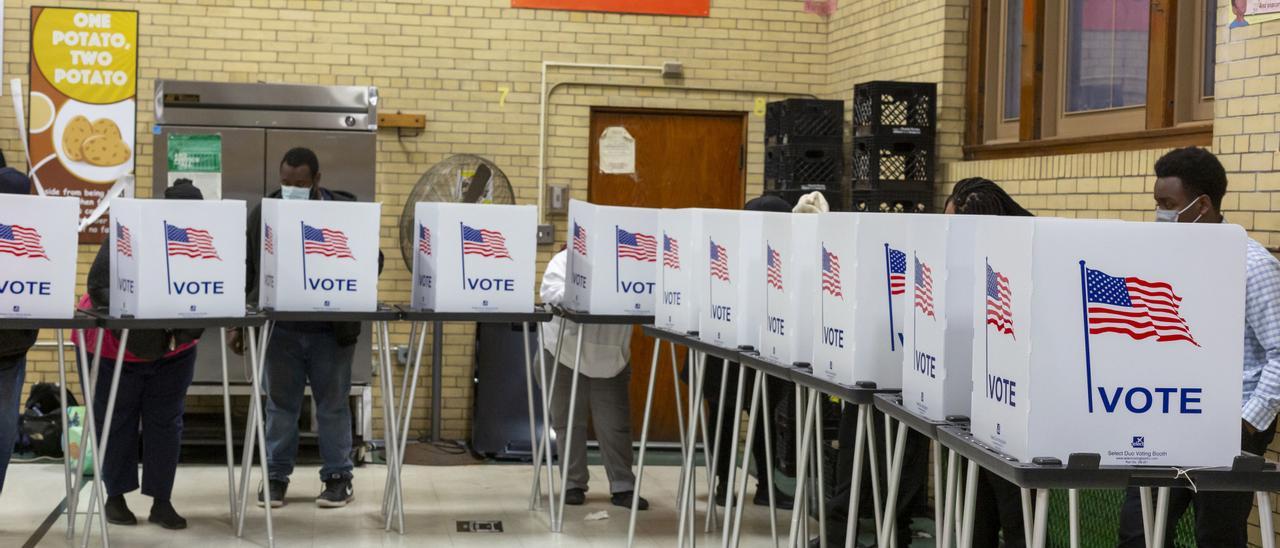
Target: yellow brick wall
{"x": 447, "y": 59}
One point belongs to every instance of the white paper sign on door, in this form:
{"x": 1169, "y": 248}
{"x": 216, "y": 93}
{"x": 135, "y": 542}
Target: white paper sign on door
{"x": 617, "y": 151}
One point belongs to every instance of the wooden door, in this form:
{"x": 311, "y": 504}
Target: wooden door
{"x": 682, "y": 159}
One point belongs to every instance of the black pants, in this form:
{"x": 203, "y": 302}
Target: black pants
{"x": 731, "y": 418}
{"x": 1221, "y": 517}
{"x": 149, "y": 406}
{"x": 997, "y": 508}
{"x": 915, "y": 477}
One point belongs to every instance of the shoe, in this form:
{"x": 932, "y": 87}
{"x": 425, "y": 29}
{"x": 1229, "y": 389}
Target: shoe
{"x": 575, "y": 497}
{"x": 337, "y": 493}
{"x": 278, "y": 489}
{"x": 118, "y": 512}
{"x": 163, "y": 514}
{"x": 781, "y": 501}
{"x": 623, "y": 499}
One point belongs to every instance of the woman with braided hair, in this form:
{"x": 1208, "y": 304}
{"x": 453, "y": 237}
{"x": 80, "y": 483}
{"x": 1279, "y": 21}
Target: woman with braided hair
{"x": 980, "y": 196}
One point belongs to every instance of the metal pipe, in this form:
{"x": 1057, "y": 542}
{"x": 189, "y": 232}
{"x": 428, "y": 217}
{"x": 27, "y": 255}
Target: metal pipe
{"x": 437, "y": 380}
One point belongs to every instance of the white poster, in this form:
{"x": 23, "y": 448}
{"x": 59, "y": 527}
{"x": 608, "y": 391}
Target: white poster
{"x": 617, "y": 151}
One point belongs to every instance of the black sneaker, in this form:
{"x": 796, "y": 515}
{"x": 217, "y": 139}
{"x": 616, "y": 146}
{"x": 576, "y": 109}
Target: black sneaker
{"x": 623, "y": 499}
{"x": 163, "y": 514}
{"x": 575, "y": 497}
{"x": 278, "y": 489}
{"x": 118, "y": 512}
{"x": 781, "y": 501}
{"x": 337, "y": 493}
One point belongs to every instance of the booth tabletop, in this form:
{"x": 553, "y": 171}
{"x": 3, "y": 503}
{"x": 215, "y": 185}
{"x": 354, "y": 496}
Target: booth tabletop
{"x": 1029, "y": 475}
{"x": 583, "y": 318}
{"x": 692, "y": 341}
{"x": 104, "y": 319}
{"x": 539, "y": 314}
{"x": 891, "y": 404}
{"x": 384, "y": 313}
{"x": 80, "y": 320}
{"x": 770, "y": 367}
{"x": 858, "y": 395}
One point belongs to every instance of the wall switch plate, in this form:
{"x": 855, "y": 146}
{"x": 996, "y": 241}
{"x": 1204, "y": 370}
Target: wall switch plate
{"x": 557, "y": 198}
{"x": 546, "y": 234}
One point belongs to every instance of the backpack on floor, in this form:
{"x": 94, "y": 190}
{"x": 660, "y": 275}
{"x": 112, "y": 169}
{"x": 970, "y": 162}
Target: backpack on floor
{"x": 40, "y": 426}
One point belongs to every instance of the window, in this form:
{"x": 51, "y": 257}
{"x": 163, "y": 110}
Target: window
{"x": 1099, "y": 70}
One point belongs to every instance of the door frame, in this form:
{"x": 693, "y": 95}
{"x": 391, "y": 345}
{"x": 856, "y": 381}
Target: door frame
{"x": 593, "y": 155}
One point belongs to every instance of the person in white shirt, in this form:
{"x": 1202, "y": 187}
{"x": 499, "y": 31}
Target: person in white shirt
{"x": 604, "y": 379}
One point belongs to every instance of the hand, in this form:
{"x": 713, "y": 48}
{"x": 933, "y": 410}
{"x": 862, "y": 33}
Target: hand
{"x": 235, "y": 341}
{"x": 1248, "y": 428}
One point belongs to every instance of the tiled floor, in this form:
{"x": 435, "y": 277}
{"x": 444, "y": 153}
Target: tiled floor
{"x": 435, "y": 498}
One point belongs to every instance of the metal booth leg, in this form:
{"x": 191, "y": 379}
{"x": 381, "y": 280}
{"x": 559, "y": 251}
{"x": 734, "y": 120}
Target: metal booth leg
{"x": 66, "y": 453}
{"x": 889, "y": 526}
{"x": 568, "y": 435}
{"x": 1265, "y": 520}
{"x": 232, "y": 493}
{"x": 970, "y": 498}
{"x": 259, "y": 425}
{"x": 1162, "y": 516}
{"x": 746, "y": 465}
{"x": 644, "y": 441}
{"x": 98, "y": 493}
{"x": 768, "y": 457}
{"x": 1144, "y": 498}
{"x": 405, "y": 405}
{"x": 528, "y": 392}
{"x": 1041, "y": 519}
{"x": 1073, "y": 515}
{"x": 819, "y": 465}
{"x": 735, "y": 416}
{"x": 684, "y": 499}
{"x": 392, "y": 426}
{"x": 255, "y": 421}
{"x": 802, "y": 463}
{"x": 1027, "y": 516}
{"x": 949, "y": 499}
{"x": 712, "y": 467}
{"x": 542, "y": 454}
{"x": 875, "y": 478}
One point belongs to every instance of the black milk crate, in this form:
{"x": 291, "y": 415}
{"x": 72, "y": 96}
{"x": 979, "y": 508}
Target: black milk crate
{"x": 902, "y": 164}
{"x": 802, "y": 166}
{"x": 804, "y": 121}
{"x": 891, "y": 202}
{"x": 833, "y": 194}
{"x": 894, "y": 109}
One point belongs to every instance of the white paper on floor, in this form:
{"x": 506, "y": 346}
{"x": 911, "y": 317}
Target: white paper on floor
{"x": 596, "y": 516}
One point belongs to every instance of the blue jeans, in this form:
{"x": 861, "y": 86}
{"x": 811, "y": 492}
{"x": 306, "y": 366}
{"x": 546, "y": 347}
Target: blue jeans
{"x": 13, "y": 372}
{"x": 295, "y": 357}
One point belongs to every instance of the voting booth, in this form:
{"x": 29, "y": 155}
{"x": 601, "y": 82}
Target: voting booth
{"x": 678, "y": 296}
{"x": 789, "y": 248}
{"x": 1121, "y": 339}
{"x": 938, "y": 331}
{"x": 319, "y": 256}
{"x": 613, "y": 259}
{"x": 177, "y": 258}
{"x": 861, "y": 298}
{"x": 38, "y": 256}
{"x": 733, "y": 277}
{"x": 474, "y": 257}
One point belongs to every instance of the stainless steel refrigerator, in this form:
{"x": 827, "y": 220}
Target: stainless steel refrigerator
{"x": 257, "y": 124}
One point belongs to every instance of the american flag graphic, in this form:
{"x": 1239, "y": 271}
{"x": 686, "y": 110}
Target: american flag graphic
{"x": 124, "y": 242}
{"x": 484, "y": 242}
{"x": 774, "y": 264}
{"x": 637, "y": 246}
{"x": 579, "y": 239}
{"x": 670, "y": 252}
{"x": 924, "y": 288}
{"x": 270, "y": 243}
{"x": 1135, "y": 307}
{"x": 897, "y": 272}
{"x": 719, "y": 262}
{"x": 999, "y": 309}
{"x": 21, "y": 241}
{"x": 831, "y": 274}
{"x": 424, "y": 240}
{"x": 189, "y": 242}
{"x": 325, "y": 241}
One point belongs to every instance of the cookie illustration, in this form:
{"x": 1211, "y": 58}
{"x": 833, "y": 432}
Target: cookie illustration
{"x": 107, "y": 127}
{"x": 105, "y": 151}
{"x": 77, "y": 130}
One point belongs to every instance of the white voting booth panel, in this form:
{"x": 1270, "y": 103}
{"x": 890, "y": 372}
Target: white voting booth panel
{"x": 862, "y": 281}
{"x": 733, "y": 271}
{"x": 177, "y": 258}
{"x": 474, "y": 257}
{"x": 1121, "y": 339}
{"x": 319, "y": 256}
{"x": 38, "y": 256}
{"x": 680, "y": 246}
{"x": 789, "y": 248}
{"x": 613, "y": 259}
{"x": 938, "y": 334}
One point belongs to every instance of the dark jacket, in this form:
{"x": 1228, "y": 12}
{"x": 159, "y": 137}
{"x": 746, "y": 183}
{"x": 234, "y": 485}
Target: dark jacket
{"x": 15, "y": 343}
{"x": 147, "y": 344}
{"x": 346, "y": 333}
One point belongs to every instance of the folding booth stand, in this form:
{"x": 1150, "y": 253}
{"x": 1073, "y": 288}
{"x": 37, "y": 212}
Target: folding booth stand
{"x": 891, "y": 406}
{"x": 1249, "y": 473}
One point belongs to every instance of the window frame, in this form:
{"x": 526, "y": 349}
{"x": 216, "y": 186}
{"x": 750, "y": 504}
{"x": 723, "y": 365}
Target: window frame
{"x": 1167, "y": 118}
{"x": 1005, "y": 130}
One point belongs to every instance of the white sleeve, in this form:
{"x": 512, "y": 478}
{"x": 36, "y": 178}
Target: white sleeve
{"x": 552, "y": 290}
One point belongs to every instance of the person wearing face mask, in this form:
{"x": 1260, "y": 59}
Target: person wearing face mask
{"x": 320, "y": 353}
{"x": 1190, "y": 184}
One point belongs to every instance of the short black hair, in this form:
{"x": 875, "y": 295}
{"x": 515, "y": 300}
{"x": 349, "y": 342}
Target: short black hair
{"x": 3, "y": 163}
{"x": 1198, "y": 169}
{"x": 981, "y": 196}
{"x": 302, "y": 156}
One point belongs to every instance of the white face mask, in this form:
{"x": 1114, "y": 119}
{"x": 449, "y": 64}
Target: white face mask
{"x": 295, "y": 192}
{"x": 1171, "y": 216}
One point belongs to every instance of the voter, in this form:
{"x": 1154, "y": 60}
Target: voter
{"x": 604, "y": 377}
{"x": 318, "y": 352}
{"x": 157, "y": 370}
{"x": 1190, "y": 183}
{"x": 14, "y": 344}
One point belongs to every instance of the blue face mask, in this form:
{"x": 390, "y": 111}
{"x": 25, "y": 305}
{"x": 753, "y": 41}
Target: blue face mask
{"x": 295, "y": 192}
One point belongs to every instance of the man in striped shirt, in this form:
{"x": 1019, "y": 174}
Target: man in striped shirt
{"x": 1190, "y": 184}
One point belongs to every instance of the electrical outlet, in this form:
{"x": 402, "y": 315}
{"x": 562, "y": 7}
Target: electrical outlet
{"x": 546, "y": 234}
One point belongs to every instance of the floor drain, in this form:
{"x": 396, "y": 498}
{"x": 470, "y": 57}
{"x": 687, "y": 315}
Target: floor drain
{"x": 480, "y": 526}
